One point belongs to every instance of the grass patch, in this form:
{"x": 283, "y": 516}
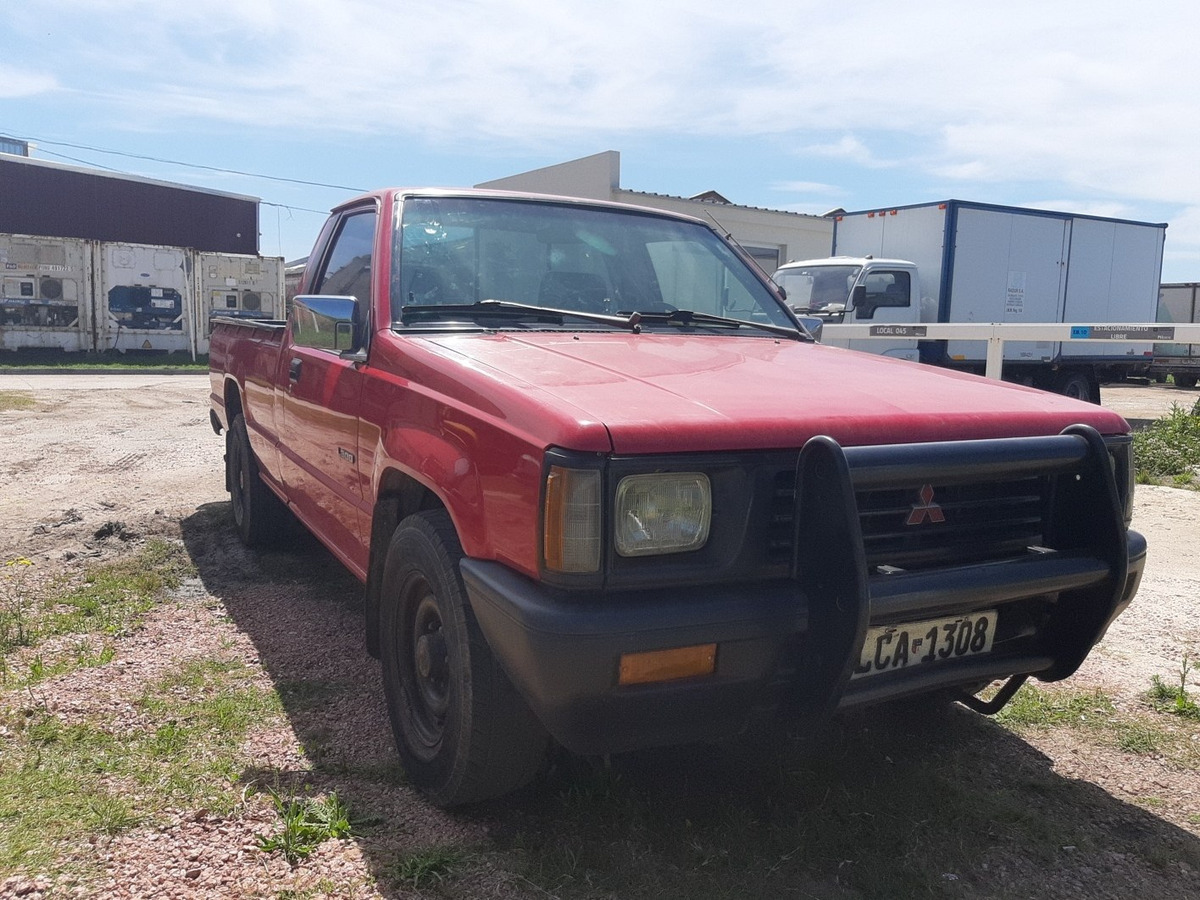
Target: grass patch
{"x": 12, "y": 400}
{"x": 1033, "y": 707}
{"x": 65, "y": 783}
{"x": 108, "y": 360}
{"x": 1167, "y": 451}
{"x": 69, "y": 780}
{"x": 108, "y": 601}
{"x": 307, "y": 823}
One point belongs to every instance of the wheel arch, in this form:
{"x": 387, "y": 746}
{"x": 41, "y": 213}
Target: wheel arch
{"x": 399, "y": 496}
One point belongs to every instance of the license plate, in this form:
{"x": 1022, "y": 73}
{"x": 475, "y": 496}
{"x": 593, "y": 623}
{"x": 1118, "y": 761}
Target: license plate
{"x": 892, "y": 647}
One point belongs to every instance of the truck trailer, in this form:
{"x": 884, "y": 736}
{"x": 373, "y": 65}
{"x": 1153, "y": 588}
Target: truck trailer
{"x": 961, "y": 262}
{"x": 1178, "y": 304}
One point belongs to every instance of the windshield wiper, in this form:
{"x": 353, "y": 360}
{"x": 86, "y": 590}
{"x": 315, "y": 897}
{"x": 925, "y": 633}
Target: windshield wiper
{"x": 689, "y": 316}
{"x": 508, "y": 306}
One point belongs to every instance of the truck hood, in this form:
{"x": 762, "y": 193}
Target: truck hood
{"x": 677, "y": 393}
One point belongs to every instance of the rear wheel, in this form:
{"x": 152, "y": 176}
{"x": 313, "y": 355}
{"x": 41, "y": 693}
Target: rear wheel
{"x": 1078, "y": 386}
{"x": 258, "y": 515}
{"x": 463, "y": 731}
{"x": 1185, "y": 381}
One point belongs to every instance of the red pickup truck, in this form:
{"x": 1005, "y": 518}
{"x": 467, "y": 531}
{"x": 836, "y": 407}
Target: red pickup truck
{"x": 604, "y": 489}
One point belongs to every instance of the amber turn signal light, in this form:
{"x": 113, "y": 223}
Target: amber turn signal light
{"x": 668, "y": 665}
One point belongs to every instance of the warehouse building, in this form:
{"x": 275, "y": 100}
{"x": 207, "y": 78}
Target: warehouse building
{"x": 55, "y": 200}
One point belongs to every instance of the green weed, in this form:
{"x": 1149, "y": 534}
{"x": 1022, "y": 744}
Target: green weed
{"x": 15, "y": 601}
{"x": 427, "y": 868}
{"x": 307, "y": 823}
{"x": 1174, "y": 698}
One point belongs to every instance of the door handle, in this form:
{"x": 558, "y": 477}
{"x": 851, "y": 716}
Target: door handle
{"x": 294, "y": 369}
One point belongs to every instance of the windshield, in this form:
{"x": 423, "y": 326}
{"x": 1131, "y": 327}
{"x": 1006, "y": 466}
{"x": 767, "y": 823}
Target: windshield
{"x": 817, "y": 287}
{"x": 458, "y": 251}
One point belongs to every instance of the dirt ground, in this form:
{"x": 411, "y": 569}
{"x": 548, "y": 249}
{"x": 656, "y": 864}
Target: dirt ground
{"x": 132, "y": 455}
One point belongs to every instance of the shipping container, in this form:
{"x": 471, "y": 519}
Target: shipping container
{"x": 45, "y": 301}
{"x": 237, "y": 286}
{"x": 145, "y": 298}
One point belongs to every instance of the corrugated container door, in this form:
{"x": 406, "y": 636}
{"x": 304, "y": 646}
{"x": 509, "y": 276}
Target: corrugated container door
{"x": 238, "y": 286}
{"x": 145, "y": 298}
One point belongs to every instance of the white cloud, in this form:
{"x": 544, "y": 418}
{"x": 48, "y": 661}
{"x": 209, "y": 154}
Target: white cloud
{"x": 847, "y": 148}
{"x": 805, "y": 187}
{"x": 16, "y": 82}
{"x": 1103, "y": 209}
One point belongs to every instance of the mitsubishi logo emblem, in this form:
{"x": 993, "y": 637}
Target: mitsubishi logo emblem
{"x": 926, "y": 510}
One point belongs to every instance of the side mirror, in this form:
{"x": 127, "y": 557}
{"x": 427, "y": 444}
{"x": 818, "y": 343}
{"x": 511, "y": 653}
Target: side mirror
{"x": 328, "y": 323}
{"x": 858, "y": 299}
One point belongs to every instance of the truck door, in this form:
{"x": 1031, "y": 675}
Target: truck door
{"x": 320, "y": 394}
{"x": 884, "y": 297}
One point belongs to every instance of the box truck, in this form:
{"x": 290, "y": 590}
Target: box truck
{"x": 1178, "y": 304}
{"x": 961, "y": 262}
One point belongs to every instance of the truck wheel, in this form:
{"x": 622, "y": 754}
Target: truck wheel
{"x": 1185, "y": 381}
{"x": 1076, "y": 385}
{"x": 463, "y": 732}
{"x": 258, "y": 514}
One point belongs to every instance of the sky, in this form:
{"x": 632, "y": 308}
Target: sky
{"x": 1088, "y": 107}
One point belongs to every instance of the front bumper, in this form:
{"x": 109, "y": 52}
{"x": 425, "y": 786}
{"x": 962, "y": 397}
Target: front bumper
{"x": 563, "y": 653}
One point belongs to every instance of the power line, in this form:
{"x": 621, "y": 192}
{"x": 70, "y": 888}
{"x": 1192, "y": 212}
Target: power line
{"x": 320, "y": 212}
{"x": 175, "y": 162}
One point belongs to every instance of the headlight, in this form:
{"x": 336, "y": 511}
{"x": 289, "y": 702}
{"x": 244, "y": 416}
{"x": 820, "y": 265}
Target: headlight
{"x": 662, "y": 513}
{"x": 571, "y": 520}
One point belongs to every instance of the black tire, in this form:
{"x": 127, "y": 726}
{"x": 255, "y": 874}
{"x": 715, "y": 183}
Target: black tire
{"x": 1185, "y": 381}
{"x": 463, "y": 731}
{"x": 258, "y": 515}
{"x": 1078, "y": 386}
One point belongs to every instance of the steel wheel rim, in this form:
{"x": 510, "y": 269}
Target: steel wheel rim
{"x": 238, "y": 483}
{"x": 428, "y": 666}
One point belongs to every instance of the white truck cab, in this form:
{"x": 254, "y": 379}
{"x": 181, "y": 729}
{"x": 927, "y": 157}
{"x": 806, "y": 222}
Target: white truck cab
{"x": 859, "y": 289}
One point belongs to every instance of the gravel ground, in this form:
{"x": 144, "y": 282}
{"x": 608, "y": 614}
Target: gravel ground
{"x": 103, "y": 460}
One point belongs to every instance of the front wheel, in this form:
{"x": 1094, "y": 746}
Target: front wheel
{"x": 1185, "y": 381}
{"x": 463, "y": 731}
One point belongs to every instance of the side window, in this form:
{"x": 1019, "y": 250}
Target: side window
{"x": 348, "y": 266}
{"x": 883, "y": 289}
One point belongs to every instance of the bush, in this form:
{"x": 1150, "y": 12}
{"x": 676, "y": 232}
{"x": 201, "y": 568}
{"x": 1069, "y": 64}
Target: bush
{"x": 1169, "y": 447}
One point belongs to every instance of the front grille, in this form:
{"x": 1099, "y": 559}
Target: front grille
{"x": 967, "y": 523}
{"x": 980, "y": 522}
